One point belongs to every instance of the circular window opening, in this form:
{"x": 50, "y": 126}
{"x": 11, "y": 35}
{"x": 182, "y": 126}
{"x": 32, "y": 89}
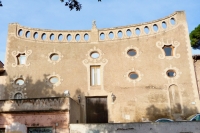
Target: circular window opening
{"x": 53, "y": 80}
{"x": 69, "y": 37}
{"x": 132, "y": 52}
{"x": 20, "y": 32}
{"x": 172, "y": 21}
{"x": 128, "y": 33}
{"x": 54, "y": 57}
{"x": 19, "y": 81}
{"x": 28, "y": 33}
{"x": 52, "y": 37}
{"x": 35, "y": 35}
{"x": 94, "y": 55}
{"x": 133, "y": 75}
{"x": 171, "y": 73}
{"x": 102, "y": 36}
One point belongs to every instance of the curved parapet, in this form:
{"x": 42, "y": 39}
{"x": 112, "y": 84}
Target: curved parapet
{"x": 139, "y": 30}
{"x": 123, "y": 32}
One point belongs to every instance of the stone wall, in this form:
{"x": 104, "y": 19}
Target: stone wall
{"x": 18, "y": 115}
{"x": 20, "y": 122}
{"x": 39, "y": 104}
{"x": 165, "y": 127}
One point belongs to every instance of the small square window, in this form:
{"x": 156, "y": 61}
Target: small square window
{"x": 168, "y": 50}
{"x": 95, "y": 75}
{"x": 21, "y": 59}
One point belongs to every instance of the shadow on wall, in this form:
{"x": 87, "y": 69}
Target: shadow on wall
{"x": 24, "y": 87}
{"x": 154, "y": 113}
{"x": 79, "y": 96}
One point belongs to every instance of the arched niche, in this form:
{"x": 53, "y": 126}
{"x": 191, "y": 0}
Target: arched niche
{"x": 175, "y": 101}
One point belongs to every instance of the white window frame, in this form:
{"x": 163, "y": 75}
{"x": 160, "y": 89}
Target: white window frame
{"x": 95, "y": 75}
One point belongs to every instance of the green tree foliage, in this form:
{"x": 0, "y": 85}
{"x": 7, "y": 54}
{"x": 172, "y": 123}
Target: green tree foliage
{"x": 72, "y": 4}
{"x": 1, "y": 4}
{"x": 195, "y": 38}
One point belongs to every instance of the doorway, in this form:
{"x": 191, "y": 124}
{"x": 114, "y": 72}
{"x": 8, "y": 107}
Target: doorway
{"x": 96, "y": 110}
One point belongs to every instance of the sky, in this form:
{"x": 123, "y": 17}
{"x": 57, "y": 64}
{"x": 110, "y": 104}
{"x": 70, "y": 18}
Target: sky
{"x": 53, "y": 14}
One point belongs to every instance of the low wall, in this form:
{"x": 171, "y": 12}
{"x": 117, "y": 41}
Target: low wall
{"x": 168, "y": 127}
{"x": 58, "y": 122}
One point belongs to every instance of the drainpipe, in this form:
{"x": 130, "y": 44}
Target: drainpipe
{"x": 195, "y": 60}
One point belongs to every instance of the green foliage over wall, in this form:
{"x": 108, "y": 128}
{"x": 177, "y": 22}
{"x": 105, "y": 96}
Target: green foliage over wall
{"x": 195, "y": 38}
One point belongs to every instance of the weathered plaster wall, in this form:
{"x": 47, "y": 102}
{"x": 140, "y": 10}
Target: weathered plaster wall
{"x": 39, "y": 104}
{"x": 19, "y": 122}
{"x": 2, "y": 86}
{"x": 75, "y": 112}
{"x": 165, "y": 127}
{"x": 148, "y": 97}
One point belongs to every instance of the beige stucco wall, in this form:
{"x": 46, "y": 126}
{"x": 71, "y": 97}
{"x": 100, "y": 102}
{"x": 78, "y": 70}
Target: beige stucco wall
{"x": 144, "y": 98}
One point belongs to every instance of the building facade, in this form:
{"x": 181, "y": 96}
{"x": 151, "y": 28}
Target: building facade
{"x": 117, "y": 75}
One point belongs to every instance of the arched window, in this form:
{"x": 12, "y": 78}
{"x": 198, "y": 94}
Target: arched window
{"x": 18, "y": 96}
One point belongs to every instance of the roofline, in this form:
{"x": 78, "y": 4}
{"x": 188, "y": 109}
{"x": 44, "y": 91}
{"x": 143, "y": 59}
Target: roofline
{"x": 196, "y": 56}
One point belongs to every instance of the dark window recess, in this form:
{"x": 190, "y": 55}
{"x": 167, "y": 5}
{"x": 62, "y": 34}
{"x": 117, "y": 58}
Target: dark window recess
{"x": 97, "y": 111}
{"x": 21, "y": 59}
{"x": 2, "y": 130}
{"x": 40, "y": 130}
{"x": 168, "y": 50}
{"x": 133, "y": 75}
{"x": 171, "y": 73}
{"x": 132, "y": 52}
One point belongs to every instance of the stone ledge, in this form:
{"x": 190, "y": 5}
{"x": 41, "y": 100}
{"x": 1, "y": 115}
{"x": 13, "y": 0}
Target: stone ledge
{"x": 38, "y": 104}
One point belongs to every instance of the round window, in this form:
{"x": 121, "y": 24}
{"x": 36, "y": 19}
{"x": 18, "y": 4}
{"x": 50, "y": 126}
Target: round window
{"x": 132, "y": 52}
{"x": 54, "y": 57}
{"x": 133, "y": 75}
{"x": 19, "y": 81}
{"x": 94, "y": 55}
{"x": 54, "y": 80}
{"x": 171, "y": 73}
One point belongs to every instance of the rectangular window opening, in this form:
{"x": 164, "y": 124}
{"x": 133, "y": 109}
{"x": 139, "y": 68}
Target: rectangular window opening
{"x": 21, "y": 59}
{"x": 95, "y": 75}
{"x": 168, "y": 50}
{"x": 2, "y": 130}
{"x": 40, "y": 130}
